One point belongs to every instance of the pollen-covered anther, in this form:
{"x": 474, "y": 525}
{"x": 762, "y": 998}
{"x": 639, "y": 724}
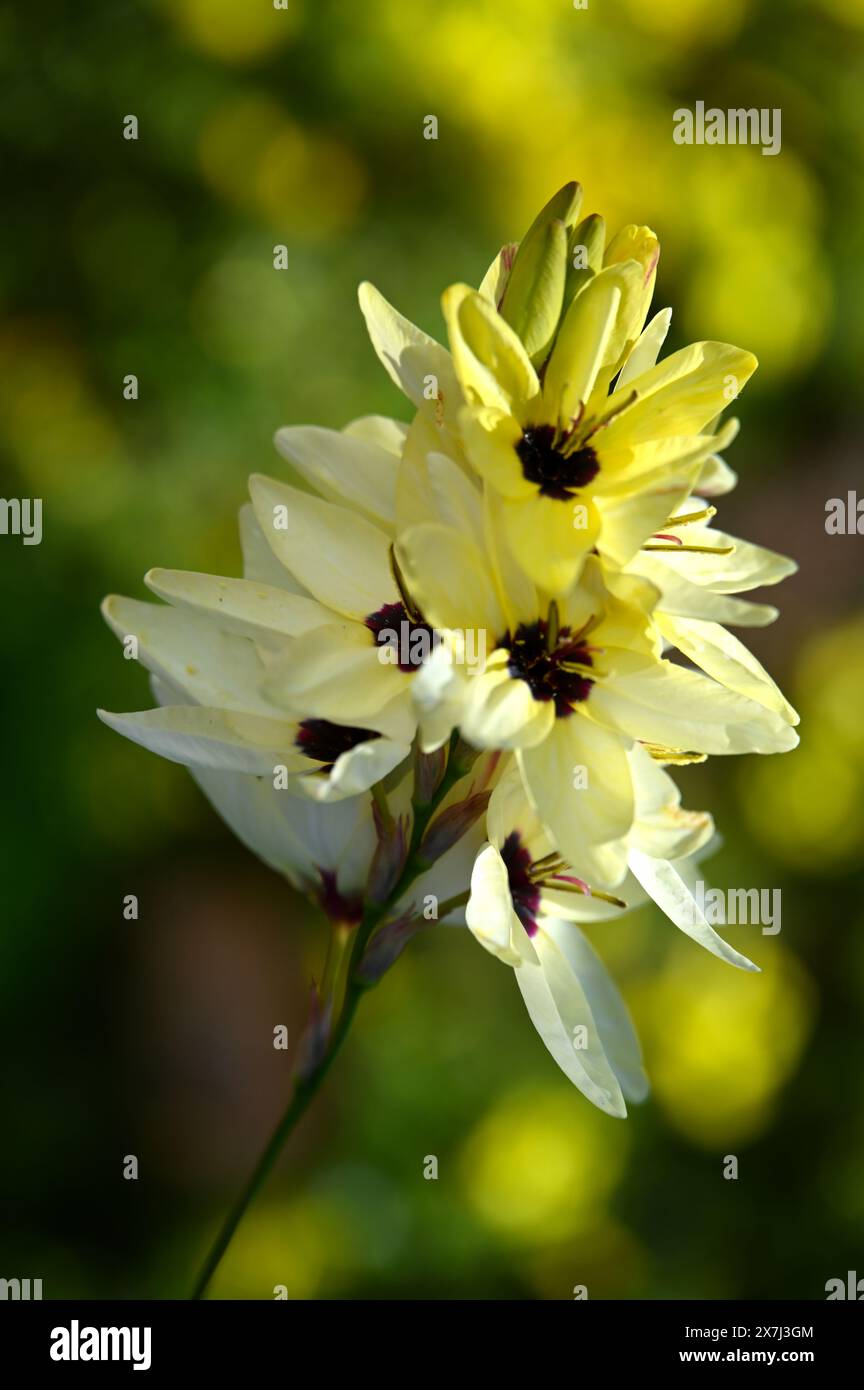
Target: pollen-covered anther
{"x": 690, "y": 518}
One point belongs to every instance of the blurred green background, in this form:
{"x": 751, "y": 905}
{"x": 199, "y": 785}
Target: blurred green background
{"x": 303, "y": 126}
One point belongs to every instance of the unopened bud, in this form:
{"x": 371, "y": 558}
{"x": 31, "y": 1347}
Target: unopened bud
{"x": 386, "y": 948}
{"x": 312, "y": 1046}
{"x": 533, "y": 297}
{"x": 584, "y": 254}
{"x": 535, "y": 291}
{"x": 451, "y": 825}
{"x": 388, "y": 859}
{"x": 428, "y": 771}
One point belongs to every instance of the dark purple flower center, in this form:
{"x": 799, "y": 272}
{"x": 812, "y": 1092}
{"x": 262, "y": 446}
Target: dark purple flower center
{"x": 549, "y": 674}
{"x": 524, "y": 893}
{"x": 556, "y": 474}
{"x": 411, "y": 641}
{"x": 325, "y": 742}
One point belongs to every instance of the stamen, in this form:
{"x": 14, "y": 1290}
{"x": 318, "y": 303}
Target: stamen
{"x": 553, "y": 627}
{"x": 586, "y": 628}
{"x": 542, "y": 870}
{"x": 613, "y": 414}
{"x": 580, "y": 883}
{"x": 677, "y": 757}
{"x": 705, "y": 515}
{"x": 399, "y": 580}
{"x": 693, "y": 549}
{"x": 557, "y": 885}
{"x": 554, "y": 856}
{"x": 578, "y": 668}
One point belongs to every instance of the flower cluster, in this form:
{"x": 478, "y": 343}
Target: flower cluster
{"x": 466, "y": 649}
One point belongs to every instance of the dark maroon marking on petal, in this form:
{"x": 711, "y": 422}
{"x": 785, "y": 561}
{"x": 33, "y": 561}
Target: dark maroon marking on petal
{"x": 543, "y": 671}
{"x": 556, "y": 474}
{"x": 337, "y": 907}
{"x": 325, "y": 742}
{"x": 394, "y": 618}
{"x": 524, "y": 893}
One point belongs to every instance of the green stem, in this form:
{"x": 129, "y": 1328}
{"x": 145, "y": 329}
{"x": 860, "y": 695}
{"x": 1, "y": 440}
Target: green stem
{"x": 450, "y": 904}
{"x": 304, "y": 1093}
{"x": 306, "y": 1088}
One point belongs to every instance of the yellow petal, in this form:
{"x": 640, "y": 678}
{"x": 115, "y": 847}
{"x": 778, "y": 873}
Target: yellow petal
{"x": 548, "y": 537}
{"x": 491, "y": 363}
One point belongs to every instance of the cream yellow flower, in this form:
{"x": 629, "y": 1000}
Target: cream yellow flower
{"x": 569, "y": 684}
{"x": 587, "y": 439}
{"x": 526, "y": 901}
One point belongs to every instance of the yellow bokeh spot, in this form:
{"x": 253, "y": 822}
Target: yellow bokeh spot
{"x": 232, "y": 31}
{"x": 298, "y": 1246}
{"x": 806, "y": 805}
{"x": 310, "y": 185}
{"x": 302, "y": 183}
{"x": 759, "y": 279}
{"x": 721, "y": 1042}
{"x": 810, "y": 803}
{"x": 846, "y": 11}
{"x": 830, "y": 678}
{"x": 688, "y": 22}
{"x": 63, "y": 442}
{"x": 231, "y": 141}
{"x": 541, "y": 1164}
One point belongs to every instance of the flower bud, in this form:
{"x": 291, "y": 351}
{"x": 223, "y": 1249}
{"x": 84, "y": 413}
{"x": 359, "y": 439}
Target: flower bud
{"x": 428, "y": 771}
{"x": 584, "y": 254}
{"x": 386, "y": 947}
{"x": 451, "y": 825}
{"x": 535, "y": 292}
{"x": 388, "y": 859}
{"x": 312, "y": 1046}
{"x": 533, "y": 296}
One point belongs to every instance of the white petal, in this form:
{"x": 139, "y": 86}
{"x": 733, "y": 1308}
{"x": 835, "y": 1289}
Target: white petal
{"x": 646, "y": 349}
{"x": 558, "y": 1007}
{"x": 381, "y": 430}
{"x": 340, "y": 557}
{"x": 617, "y": 1034}
{"x": 212, "y": 738}
{"x": 579, "y": 780}
{"x": 683, "y": 598}
{"x": 243, "y": 606}
{"x": 357, "y": 770}
{"x": 489, "y": 913}
{"x": 335, "y": 673}
{"x": 663, "y": 703}
{"x": 722, "y": 656}
{"x": 408, "y": 354}
{"x": 294, "y": 834}
{"x": 190, "y": 652}
{"x": 500, "y": 712}
{"x": 668, "y": 885}
{"x": 343, "y": 468}
{"x": 259, "y": 562}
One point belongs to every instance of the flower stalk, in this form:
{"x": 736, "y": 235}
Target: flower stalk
{"x": 357, "y": 983}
